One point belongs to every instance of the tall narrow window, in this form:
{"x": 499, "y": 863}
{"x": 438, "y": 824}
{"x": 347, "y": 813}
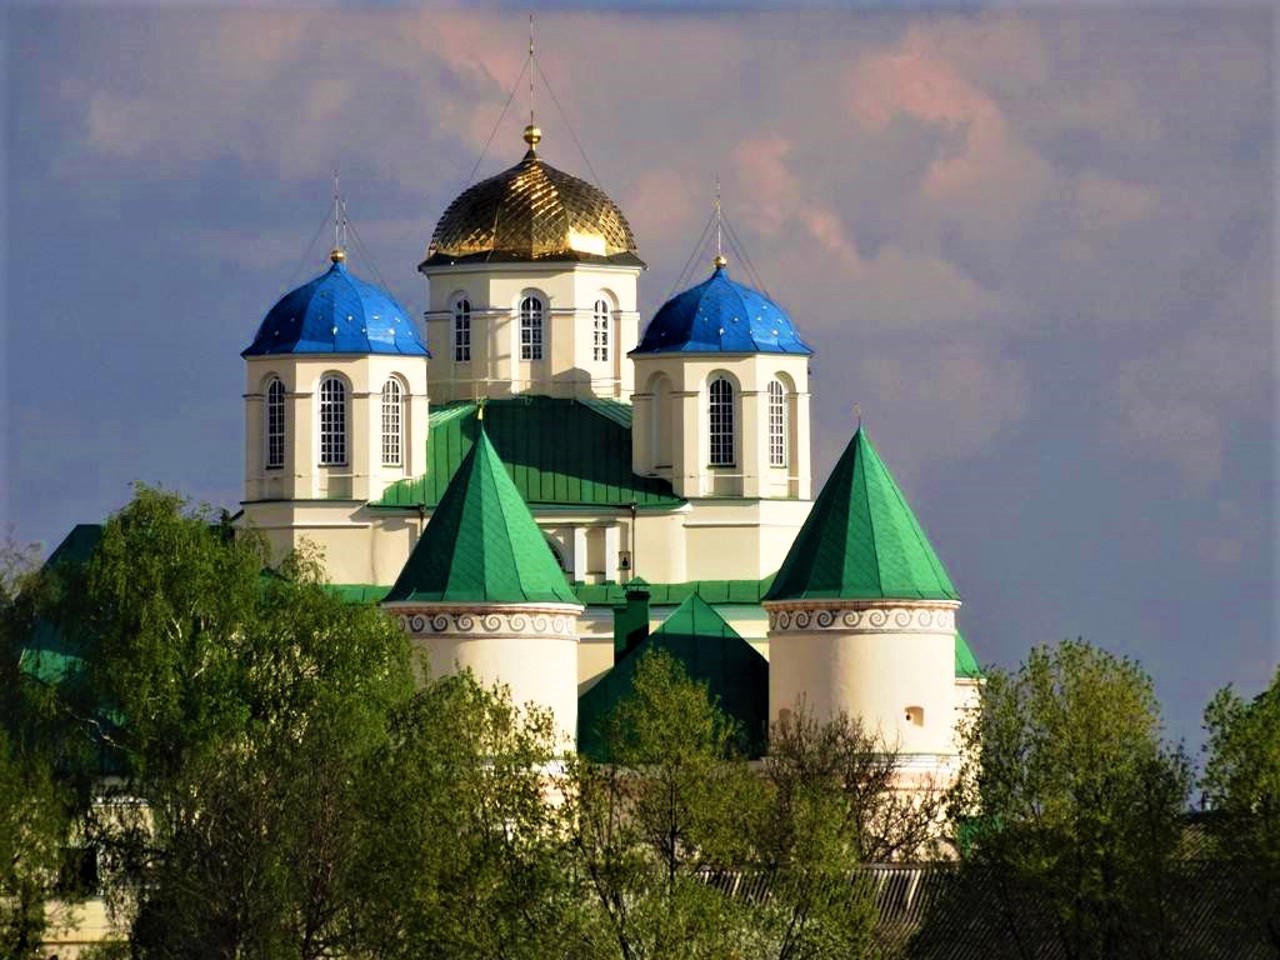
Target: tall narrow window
{"x": 333, "y": 422}
{"x": 530, "y": 329}
{"x": 392, "y": 423}
{"x": 275, "y": 425}
{"x": 777, "y": 424}
{"x": 721, "y": 423}
{"x": 462, "y": 329}
{"x": 600, "y": 332}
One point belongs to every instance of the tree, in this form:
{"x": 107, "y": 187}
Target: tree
{"x": 38, "y": 811}
{"x": 1075, "y": 806}
{"x": 464, "y": 840}
{"x": 1242, "y": 790}
{"x": 687, "y": 851}
{"x": 672, "y": 807}
{"x": 246, "y": 704}
{"x": 835, "y": 804}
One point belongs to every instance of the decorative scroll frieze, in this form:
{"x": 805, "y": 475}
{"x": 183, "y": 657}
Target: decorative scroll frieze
{"x": 482, "y": 623}
{"x": 876, "y": 619}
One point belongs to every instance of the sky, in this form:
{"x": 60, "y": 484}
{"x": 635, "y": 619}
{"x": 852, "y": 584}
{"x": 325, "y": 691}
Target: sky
{"x": 1035, "y": 246}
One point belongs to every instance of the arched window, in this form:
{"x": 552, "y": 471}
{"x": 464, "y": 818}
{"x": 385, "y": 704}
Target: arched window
{"x": 721, "y": 423}
{"x": 600, "y": 331}
{"x": 462, "y": 329}
{"x": 392, "y": 423}
{"x": 777, "y": 424}
{"x": 530, "y": 329}
{"x": 333, "y": 422}
{"x": 275, "y": 425}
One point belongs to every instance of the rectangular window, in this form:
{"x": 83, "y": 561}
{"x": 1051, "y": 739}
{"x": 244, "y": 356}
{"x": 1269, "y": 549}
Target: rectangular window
{"x": 333, "y": 422}
{"x": 392, "y": 424}
{"x": 777, "y": 425}
{"x": 721, "y": 423}
{"x": 600, "y": 332}
{"x": 462, "y": 331}
{"x": 530, "y": 329}
{"x": 275, "y": 425}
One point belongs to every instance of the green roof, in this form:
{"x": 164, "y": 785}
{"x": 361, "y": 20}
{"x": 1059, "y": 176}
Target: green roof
{"x": 861, "y": 540}
{"x": 748, "y": 592}
{"x": 482, "y": 545}
{"x": 966, "y": 662}
{"x": 557, "y": 451}
{"x": 357, "y": 592}
{"x": 48, "y": 654}
{"x": 711, "y": 652}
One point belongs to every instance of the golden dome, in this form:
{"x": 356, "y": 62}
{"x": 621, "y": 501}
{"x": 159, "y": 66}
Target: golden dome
{"x": 532, "y": 212}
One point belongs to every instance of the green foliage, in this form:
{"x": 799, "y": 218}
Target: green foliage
{"x": 1242, "y": 789}
{"x": 834, "y": 806}
{"x": 37, "y": 808}
{"x": 245, "y": 706}
{"x": 665, "y": 836}
{"x": 646, "y": 829}
{"x": 1081, "y": 800}
{"x": 36, "y": 822}
{"x": 462, "y": 850}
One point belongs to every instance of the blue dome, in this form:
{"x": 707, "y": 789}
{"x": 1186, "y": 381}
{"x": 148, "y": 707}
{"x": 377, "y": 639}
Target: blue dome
{"x": 720, "y": 316}
{"x": 337, "y": 313}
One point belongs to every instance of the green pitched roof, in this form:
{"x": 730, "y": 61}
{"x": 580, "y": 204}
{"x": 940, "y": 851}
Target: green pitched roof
{"x": 745, "y": 592}
{"x": 861, "y": 540}
{"x": 711, "y": 652}
{"x": 482, "y": 544}
{"x": 557, "y": 451}
{"x": 966, "y": 663}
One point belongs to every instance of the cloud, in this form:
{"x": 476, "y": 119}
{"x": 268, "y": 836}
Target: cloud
{"x": 1103, "y": 203}
{"x": 1174, "y": 404}
{"x": 957, "y": 397}
{"x": 919, "y": 80}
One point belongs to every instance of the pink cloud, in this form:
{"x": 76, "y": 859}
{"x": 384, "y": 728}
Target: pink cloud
{"x": 921, "y": 80}
{"x": 779, "y": 199}
{"x": 661, "y": 207}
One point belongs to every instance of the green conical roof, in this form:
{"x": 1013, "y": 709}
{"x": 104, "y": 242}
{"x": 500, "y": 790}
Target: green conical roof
{"x": 711, "y": 652}
{"x": 861, "y": 541}
{"x": 966, "y": 663}
{"x": 482, "y": 544}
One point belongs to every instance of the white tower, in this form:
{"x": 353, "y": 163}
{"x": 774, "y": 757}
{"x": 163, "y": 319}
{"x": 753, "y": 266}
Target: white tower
{"x": 483, "y": 592}
{"x": 862, "y": 616}
{"x": 722, "y": 398}
{"x": 335, "y": 411}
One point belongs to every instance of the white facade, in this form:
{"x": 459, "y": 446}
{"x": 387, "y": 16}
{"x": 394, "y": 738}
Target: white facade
{"x": 890, "y": 662}
{"x": 768, "y": 456}
{"x": 530, "y": 648}
{"x": 558, "y": 329}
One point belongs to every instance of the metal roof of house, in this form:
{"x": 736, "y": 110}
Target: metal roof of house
{"x": 711, "y": 652}
{"x": 337, "y": 312}
{"x": 556, "y": 451}
{"x": 861, "y": 540}
{"x": 481, "y": 544}
{"x": 720, "y": 315}
{"x": 966, "y": 663}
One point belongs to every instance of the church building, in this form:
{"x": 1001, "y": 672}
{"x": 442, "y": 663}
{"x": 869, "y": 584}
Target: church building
{"x": 560, "y": 483}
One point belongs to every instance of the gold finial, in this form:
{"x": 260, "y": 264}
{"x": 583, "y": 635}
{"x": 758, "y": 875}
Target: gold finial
{"x": 480, "y": 410}
{"x": 532, "y": 136}
{"x": 721, "y": 260}
{"x": 337, "y": 255}
{"x": 857, "y": 413}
